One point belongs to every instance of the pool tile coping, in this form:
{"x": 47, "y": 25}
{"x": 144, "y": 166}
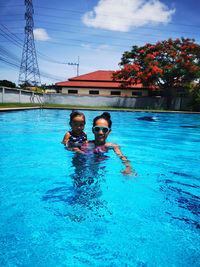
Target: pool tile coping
{"x": 82, "y": 108}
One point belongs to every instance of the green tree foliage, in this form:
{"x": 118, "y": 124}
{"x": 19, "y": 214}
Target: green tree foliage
{"x": 7, "y": 84}
{"x": 25, "y": 85}
{"x": 166, "y": 65}
{"x": 43, "y": 87}
{"x": 194, "y": 97}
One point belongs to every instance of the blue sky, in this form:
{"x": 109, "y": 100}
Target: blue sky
{"x": 96, "y": 31}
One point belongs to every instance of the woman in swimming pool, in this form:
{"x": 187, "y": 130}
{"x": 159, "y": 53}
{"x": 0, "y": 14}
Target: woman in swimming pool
{"x": 101, "y": 129}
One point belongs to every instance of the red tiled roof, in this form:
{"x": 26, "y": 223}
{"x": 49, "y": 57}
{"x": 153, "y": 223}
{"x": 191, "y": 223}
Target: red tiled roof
{"x": 87, "y": 84}
{"x": 100, "y": 75}
{"x": 97, "y": 79}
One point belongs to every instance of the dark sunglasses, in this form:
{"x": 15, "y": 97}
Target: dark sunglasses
{"x": 97, "y": 129}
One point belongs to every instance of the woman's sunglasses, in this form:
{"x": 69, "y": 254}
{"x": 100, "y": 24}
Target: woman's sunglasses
{"x": 97, "y": 129}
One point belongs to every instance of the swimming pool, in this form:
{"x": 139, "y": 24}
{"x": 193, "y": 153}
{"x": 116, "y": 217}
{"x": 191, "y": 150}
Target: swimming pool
{"x": 63, "y": 209}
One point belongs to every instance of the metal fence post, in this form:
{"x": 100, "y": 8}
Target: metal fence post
{"x": 20, "y": 96}
{"x": 3, "y": 92}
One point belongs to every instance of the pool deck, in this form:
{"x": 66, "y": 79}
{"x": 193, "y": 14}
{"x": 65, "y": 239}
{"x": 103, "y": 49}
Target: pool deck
{"x": 18, "y": 108}
{"x": 92, "y": 108}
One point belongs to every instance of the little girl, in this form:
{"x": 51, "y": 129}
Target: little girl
{"x": 76, "y": 137}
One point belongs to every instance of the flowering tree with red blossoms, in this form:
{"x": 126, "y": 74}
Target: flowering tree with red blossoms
{"x": 166, "y": 65}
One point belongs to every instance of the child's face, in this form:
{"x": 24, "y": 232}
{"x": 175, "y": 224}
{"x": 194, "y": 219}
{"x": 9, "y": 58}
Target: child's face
{"x": 78, "y": 124}
{"x": 100, "y": 136}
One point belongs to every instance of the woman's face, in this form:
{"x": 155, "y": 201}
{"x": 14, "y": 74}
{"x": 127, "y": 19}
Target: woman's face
{"x": 100, "y": 136}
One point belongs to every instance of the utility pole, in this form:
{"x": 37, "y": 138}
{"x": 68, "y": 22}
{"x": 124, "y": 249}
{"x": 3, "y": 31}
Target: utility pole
{"x": 29, "y": 70}
{"x": 75, "y": 64}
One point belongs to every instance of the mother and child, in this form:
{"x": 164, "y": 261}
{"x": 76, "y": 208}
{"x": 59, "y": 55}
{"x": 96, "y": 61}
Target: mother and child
{"x": 76, "y": 139}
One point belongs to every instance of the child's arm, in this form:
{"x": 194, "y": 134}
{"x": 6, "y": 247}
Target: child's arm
{"x": 128, "y": 170}
{"x": 66, "y": 139}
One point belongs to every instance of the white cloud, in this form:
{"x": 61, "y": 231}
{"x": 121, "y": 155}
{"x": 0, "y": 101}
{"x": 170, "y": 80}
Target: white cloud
{"x": 103, "y": 47}
{"x": 40, "y": 34}
{"x": 121, "y": 15}
{"x": 86, "y": 46}
{"x": 96, "y": 48}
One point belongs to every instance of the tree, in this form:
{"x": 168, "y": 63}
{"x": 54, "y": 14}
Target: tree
{"x": 166, "y": 65}
{"x": 194, "y": 97}
{"x": 43, "y": 87}
{"x": 7, "y": 84}
{"x": 25, "y": 85}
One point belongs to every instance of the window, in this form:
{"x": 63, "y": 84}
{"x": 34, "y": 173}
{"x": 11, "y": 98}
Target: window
{"x": 115, "y": 92}
{"x": 72, "y": 91}
{"x": 137, "y": 93}
{"x": 93, "y": 92}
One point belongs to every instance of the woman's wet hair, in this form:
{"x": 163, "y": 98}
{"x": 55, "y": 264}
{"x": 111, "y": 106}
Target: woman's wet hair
{"x": 106, "y": 116}
{"x": 76, "y": 113}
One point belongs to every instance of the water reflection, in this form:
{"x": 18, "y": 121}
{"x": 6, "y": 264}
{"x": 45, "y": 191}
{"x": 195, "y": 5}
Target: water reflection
{"x": 186, "y": 196}
{"x": 84, "y": 197}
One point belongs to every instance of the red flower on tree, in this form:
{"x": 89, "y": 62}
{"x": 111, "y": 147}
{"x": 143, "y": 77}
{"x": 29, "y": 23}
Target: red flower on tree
{"x": 161, "y": 64}
{"x": 150, "y": 56}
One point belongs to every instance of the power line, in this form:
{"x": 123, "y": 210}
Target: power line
{"x": 10, "y": 56}
{"x": 10, "y": 6}
{"x": 16, "y": 65}
{"x": 10, "y": 38}
{"x": 84, "y": 12}
{"x": 9, "y": 63}
{"x": 17, "y": 41}
{"x": 102, "y": 36}
{"x": 142, "y": 27}
{"x": 110, "y": 16}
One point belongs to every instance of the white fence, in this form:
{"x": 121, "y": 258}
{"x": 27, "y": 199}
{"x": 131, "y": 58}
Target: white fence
{"x": 13, "y": 95}
{"x": 178, "y": 103}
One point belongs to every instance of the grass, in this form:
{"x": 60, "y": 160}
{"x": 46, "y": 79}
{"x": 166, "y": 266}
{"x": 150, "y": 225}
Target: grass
{"x": 22, "y": 105}
{"x": 17, "y": 105}
{"x": 96, "y": 108}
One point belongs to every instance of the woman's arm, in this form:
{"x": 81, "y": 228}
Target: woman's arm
{"x": 128, "y": 170}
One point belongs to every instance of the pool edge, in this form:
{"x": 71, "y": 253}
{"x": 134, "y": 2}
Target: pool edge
{"x": 100, "y": 109}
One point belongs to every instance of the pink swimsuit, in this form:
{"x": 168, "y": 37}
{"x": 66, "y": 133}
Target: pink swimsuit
{"x": 98, "y": 149}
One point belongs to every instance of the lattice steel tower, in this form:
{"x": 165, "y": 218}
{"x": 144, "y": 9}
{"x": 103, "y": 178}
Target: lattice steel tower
{"x": 29, "y": 70}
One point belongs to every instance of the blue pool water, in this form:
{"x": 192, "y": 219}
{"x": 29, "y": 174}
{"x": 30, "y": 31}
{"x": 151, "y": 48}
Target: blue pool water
{"x": 58, "y": 208}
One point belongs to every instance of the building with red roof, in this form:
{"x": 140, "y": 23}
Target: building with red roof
{"x": 100, "y": 83}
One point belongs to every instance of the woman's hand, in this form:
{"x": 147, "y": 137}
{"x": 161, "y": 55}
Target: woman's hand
{"x": 128, "y": 171}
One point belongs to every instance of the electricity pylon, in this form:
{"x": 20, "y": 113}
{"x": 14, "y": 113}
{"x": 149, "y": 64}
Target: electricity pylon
{"x": 29, "y": 70}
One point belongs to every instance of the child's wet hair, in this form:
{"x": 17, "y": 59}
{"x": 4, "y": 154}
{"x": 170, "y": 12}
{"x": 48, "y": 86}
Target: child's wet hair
{"x": 76, "y": 113}
{"x": 106, "y": 116}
